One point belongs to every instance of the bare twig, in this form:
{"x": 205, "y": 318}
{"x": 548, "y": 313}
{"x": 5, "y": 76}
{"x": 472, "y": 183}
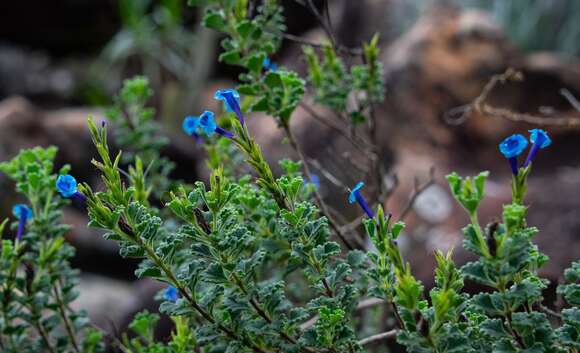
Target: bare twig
{"x": 570, "y": 98}
{"x": 378, "y": 337}
{"x": 65, "y": 318}
{"x": 479, "y": 105}
{"x": 550, "y": 312}
{"x": 359, "y": 144}
{"x": 323, "y": 207}
{"x": 328, "y": 175}
{"x": 418, "y": 190}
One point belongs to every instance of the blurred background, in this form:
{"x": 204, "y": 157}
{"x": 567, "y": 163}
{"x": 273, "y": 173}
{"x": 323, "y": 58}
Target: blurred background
{"x": 62, "y": 60}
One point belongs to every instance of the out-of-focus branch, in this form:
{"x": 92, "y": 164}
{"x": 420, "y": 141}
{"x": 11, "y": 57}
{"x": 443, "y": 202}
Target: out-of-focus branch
{"x": 378, "y": 337}
{"x": 323, "y": 206}
{"x": 418, "y": 190}
{"x": 479, "y": 106}
{"x": 359, "y": 144}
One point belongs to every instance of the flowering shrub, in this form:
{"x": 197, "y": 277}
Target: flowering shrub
{"x": 255, "y": 262}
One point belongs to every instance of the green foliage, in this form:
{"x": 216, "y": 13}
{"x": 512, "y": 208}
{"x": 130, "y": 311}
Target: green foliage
{"x": 334, "y": 85}
{"x": 250, "y": 255}
{"x": 138, "y": 135}
{"x": 38, "y": 284}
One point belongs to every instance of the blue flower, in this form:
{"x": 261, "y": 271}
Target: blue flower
{"x": 23, "y": 213}
{"x": 315, "y": 180}
{"x": 540, "y": 140}
{"x": 513, "y": 146}
{"x": 355, "y": 196}
{"x": 540, "y": 137}
{"x": 231, "y": 99}
{"x": 205, "y": 123}
{"x": 190, "y": 125}
{"x": 269, "y": 65}
{"x": 171, "y": 294}
{"x": 67, "y": 186}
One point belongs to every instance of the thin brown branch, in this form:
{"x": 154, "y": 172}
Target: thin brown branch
{"x": 480, "y": 106}
{"x": 378, "y": 337}
{"x": 323, "y": 207}
{"x": 65, "y": 318}
{"x": 574, "y": 102}
{"x": 328, "y": 175}
{"x": 418, "y": 190}
{"x": 362, "y": 146}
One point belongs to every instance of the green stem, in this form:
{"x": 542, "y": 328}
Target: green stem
{"x": 479, "y": 233}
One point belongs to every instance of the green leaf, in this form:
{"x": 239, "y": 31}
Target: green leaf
{"x": 214, "y": 20}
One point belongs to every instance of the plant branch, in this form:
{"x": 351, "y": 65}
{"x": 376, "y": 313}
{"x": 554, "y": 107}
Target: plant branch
{"x": 378, "y": 337}
{"x": 183, "y": 291}
{"x": 480, "y": 106}
{"x": 65, "y": 318}
{"x": 418, "y": 190}
{"x": 323, "y": 207}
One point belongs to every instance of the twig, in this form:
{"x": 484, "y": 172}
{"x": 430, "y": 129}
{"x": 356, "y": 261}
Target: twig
{"x": 378, "y": 337}
{"x": 317, "y": 196}
{"x": 328, "y": 175}
{"x": 359, "y": 144}
{"x": 65, "y": 318}
{"x": 550, "y": 312}
{"x": 571, "y": 99}
{"x": 418, "y": 190}
{"x": 479, "y": 106}
{"x": 40, "y": 328}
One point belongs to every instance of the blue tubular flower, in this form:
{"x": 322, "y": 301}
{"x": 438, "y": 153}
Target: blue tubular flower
{"x": 23, "y": 213}
{"x": 171, "y": 294}
{"x": 190, "y": 126}
{"x": 356, "y": 196}
{"x": 208, "y": 125}
{"x": 511, "y": 148}
{"x": 67, "y": 186}
{"x": 540, "y": 139}
{"x": 231, "y": 99}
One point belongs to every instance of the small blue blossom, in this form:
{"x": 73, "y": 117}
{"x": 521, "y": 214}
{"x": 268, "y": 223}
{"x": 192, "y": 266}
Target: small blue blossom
{"x": 23, "y": 213}
{"x": 267, "y": 64}
{"x": 511, "y": 147}
{"x": 355, "y": 196}
{"x": 67, "y": 186}
{"x": 540, "y": 140}
{"x": 231, "y": 99}
{"x": 315, "y": 180}
{"x": 540, "y": 137}
{"x": 206, "y": 124}
{"x": 190, "y": 125}
{"x": 171, "y": 294}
